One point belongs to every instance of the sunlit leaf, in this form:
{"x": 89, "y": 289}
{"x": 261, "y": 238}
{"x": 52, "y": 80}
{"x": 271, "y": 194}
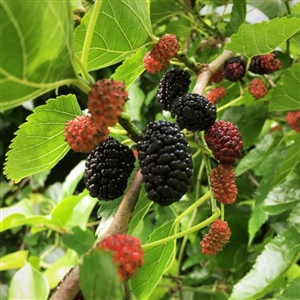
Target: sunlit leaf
{"x": 122, "y": 28}
{"x": 283, "y": 96}
{"x": 156, "y": 261}
{"x": 39, "y": 143}
{"x": 33, "y": 62}
{"x": 13, "y": 260}
{"x": 257, "y": 219}
{"x": 131, "y": 68}
{"x": 163, "y": 10}
{"x": 264, "y": 37}
{"x": 28, "y": 283}
{"x": 290, "y": 161}
{"x": 282, "y": 197}
{"x": 270, "y": 266}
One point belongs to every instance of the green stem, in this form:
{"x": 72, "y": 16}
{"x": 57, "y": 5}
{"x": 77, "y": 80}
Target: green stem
{"x": 129, "y": 126}
{"x": 89, "y": 35}
{"x": 197, "y": 227}
{"x": 231, "y": 103}
{"x": 117, "y": 131}
{"x": 201, "y": 147}
{"x": 52, "y": 248}
{"x": 208, "y": 171}
{"x": 82, "y": 85}
{"x": 222, "y": 211}
{"x": 84, "y": 71}
{"x": 188, "y": 62}
{"x": 192, "y": 207}
{"x": 195, "y": 211}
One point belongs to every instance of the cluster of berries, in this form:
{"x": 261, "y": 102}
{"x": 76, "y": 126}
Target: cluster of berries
{"x": 234, "y": 70}
{"x": 159, "y": 57}
{"x": 105, "y": 103}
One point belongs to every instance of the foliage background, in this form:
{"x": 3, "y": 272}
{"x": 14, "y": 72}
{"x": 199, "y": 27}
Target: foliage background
{"x": 48, "y": 220}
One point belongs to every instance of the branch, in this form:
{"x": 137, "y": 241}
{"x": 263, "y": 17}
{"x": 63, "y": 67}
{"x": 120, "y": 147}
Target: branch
{"x": 69, "y": 288}
{"x": 208, "y": 70}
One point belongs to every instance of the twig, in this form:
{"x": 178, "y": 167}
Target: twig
{"x": 208, "y": 70}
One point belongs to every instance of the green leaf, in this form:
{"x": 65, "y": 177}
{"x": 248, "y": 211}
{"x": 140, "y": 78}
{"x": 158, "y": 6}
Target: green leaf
{"x": 10, "y": 214}
{"x": 14, "y": 260}
{"x": 71, "y": 181}
{"x": 264, "y": 37}
{"x": 283, "y": 96}
{"x": 257, "y": 219}
{"x": 252, "y": 123}
{"x": 282, "y": 197}
{"x": 294, "y": 216}
{"x": 34, "y": 61}
{"x": 289, "y": 163}
{"x": 28, "y": 283}
{"x": 156, "y": 260}
{"x": 122, "y": 28}
{"x": 259, "y": 153}
{"x": 238, "y": 15}
{"x": 131, "y": 68}
{"x": 291, "y": 292}
{"x": 79, "y": 240}
{"x": 98, "y": 277}
{"x": 271, "y": 8}
{"x": 270, "y": 266}
{"x": 81, "y": 212}
{"x": 39, "y": 143}
{"x": 64, "y": 210}
{"x": 163, "y": 10}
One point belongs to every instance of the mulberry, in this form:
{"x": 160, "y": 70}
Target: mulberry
{"x": 264, "y": 64}
{"x": 216, "y": 238}
{"x": 223, "y": 183}
{"x": 293, "y": 120}
{"x": 193, "y": 112}
{"x": 107, "y": 169}
{"x": 106, "y": 100}
{"x": 234, "y": 69}
{"x": 165, "y": 162}
{"x": 257, "y": 88}
{"x": 216, "y": 95}
{"x": 127, "y": 253}
{"x": 173, "y": 84}
{"x": 225, "y": 141}
{"x": 82, "y": 134}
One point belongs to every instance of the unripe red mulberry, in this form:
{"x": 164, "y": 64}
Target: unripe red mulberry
{"x": 223, "y": 183}
{"x": 106, "y": 100}
{"x": 257, "y": 88}
{"x": 216, "y": 77}
{"x": 216, "y": 238}
{"x": 293, "y": 120}
{"x": 216, "y": 95}
{"x": 127, "y": 253}
{"x": 82, "y": 134}
{"x": 159, "y": 57}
